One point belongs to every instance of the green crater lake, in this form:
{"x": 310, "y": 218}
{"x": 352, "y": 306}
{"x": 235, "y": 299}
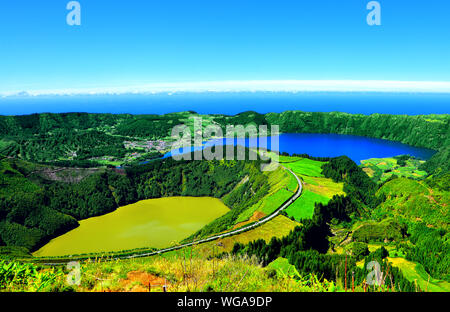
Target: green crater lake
{"x": 149, "y": 223}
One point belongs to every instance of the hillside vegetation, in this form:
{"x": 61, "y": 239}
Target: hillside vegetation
{"x": 402, "y": 224}
{"x": 34, "y": 208}
{"x": 347, "y": 217}
{"x": 316, "y": 187}
{"x": 90, "y": 137}
{"x": 317, "y": 254}
{"x": 383, "y": 169}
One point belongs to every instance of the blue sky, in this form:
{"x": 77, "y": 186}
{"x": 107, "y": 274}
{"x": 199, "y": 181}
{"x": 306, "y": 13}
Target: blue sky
{"x": 136, "y": 42}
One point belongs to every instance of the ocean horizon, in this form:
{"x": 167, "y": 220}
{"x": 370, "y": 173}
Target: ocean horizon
{"x": 230, "y": 103}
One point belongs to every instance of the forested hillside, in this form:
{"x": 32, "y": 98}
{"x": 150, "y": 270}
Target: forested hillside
{"x": 81, "y": 136}
{"x": 429, "y": 131}
{"x": 399, "y": 221}
{"x": 77, "y": 136}
{"x": 35, "y": 207}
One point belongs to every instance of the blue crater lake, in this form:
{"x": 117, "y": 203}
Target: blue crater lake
{"x": 331, "y": 145}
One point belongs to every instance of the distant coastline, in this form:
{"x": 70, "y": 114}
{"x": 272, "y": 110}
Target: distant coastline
{"x": 233, "y": 103}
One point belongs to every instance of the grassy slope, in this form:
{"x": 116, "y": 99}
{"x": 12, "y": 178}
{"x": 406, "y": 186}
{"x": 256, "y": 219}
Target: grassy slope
{"x": 317, "y": 188}
{"x": 284, "y": 267}
{"x": 303, "y": 208}
{"x": 179, "y": 272}
{"x": 282, "y": 186}
{"x": 12, "y": 181}
{"x": 414, "y": 201}
{"x": 416, "y": 272}
{"x": 303, "y": 166}
{"x": 411, "y": 270}
{"x": 381, "y": 169}
{"x": 277, "y": 227}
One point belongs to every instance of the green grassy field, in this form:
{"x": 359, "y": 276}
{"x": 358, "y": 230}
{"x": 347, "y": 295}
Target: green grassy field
{"x": 150, "y": 223}
{"x": 381, "y": 169}
{"x": 323, "y": 186}
{"x": 316, "y": 188}
{"x": 282, "y": 186}
{"x": 415, "y": 201}
{"x": 303, "y": 208}
{"x": 277, "y": 227}
{"x": 416, "y": 272}
{"x": 110, "y": 162}
{"x": 304, "y": 166}
{"x": 283, "y": 266}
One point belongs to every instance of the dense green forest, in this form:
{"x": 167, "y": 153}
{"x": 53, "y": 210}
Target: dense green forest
{"x": 429, "y": 131}
{"x": 335, "y": 267}
{"x": 35, "y": 208}
{"x": 81, "y": 136}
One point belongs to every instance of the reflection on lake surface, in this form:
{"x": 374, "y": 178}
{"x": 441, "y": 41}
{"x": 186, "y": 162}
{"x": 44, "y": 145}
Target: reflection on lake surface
{"x": 148, "y": 223}
{"x": 332, "y": 145}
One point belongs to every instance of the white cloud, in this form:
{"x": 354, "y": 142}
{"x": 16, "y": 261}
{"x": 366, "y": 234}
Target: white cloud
{"x": 256, "y": 86}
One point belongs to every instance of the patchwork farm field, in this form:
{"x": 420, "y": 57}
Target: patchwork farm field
{"x": 303, "y": 166}
{"x": 149, "y": 223}
{"x": 282, "y": 186}
{"x": 316, "y": 188}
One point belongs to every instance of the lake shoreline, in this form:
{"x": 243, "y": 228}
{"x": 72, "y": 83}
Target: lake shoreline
{"x": 150, "y": 223}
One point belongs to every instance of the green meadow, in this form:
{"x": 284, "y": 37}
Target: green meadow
{"x": 416, "y": 272}
{"x": 303, "y": 166}
{"x": 149, "y": 223}
{"x": 316, "y": 188}
{"x": 282, "y": 186}
{"x": 381, "y": 169}
{"x": 284, "y": 267}
{"x": 303, "y": 208}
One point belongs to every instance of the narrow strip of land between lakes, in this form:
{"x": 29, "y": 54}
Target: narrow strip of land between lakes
{"x": 254, "y": 225}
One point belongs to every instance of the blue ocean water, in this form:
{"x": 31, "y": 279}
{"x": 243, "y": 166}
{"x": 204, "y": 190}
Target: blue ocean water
{"x": 233, "y": 103}
{"x": 331, "y": 145}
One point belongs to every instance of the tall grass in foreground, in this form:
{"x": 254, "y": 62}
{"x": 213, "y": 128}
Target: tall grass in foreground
{"x": 26, "y": 277}
{"x": 182, "y": 272}
{"x": 179, "y": 271}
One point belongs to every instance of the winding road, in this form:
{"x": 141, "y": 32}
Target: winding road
{"x": 261, "y": 221}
